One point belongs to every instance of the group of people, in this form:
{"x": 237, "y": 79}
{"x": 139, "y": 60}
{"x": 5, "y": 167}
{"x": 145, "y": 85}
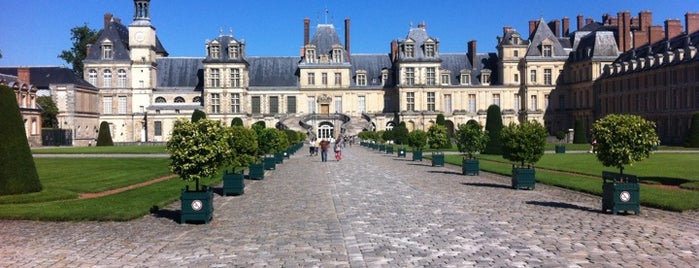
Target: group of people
{"x": 323, "y": 145}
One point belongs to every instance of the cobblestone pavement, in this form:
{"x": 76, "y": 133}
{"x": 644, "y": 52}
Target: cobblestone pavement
{"x": 370, "y": 210}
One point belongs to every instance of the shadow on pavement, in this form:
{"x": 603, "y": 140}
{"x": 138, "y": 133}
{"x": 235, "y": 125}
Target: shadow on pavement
{"x": 492, "y": 185}
{"x": 561, "y": 205}
{"x": 173, "y": 215}
{"x": 444, "y": 172}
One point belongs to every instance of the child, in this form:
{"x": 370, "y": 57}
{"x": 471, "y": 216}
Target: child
{"x": 338, "y": 151}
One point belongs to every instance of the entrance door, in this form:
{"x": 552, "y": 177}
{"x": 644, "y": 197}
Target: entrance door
{"x": 325, "y": 108}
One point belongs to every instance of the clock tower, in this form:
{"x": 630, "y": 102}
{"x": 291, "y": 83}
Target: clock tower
{"x": 142, "y": 46}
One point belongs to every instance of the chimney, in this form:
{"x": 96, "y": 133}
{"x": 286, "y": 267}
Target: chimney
{"x": 23, "y": 75}
{"x": 624, "y": 31}
{"x": 645, "y": 19}
{"x": 635, "y": 21}
{"x": 580, "y": 22}
{"x": 606, "y": 19}
{"x": 555, "y": 26}
{"x": 107, "y": 19}
{"x": 87, "y": 49}
{"x": 691, "y": 22}
{"x": 566, "y": 26}
{"x": 117, "y": 20}
{"x": 505, "y": 29}
{"x": 673, "y": 28}
{"x": 347, "y": 37}
{"x": 640, "y": 38}
{"x": 532, "y": 27}
{"x": 472, "y": 53}
{"x": 394, "y": 50}
{"x": 655, "y": 34}
{"x": 306, "y": 30}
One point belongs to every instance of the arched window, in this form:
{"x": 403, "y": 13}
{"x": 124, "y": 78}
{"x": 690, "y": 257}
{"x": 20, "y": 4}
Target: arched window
{"x": 121, "y": 78}
{"x": 197, "y": 99}
{"x": 160, "y": 100}
{"x": 179, "y": 99}
{"x": 107, "y": 82}
{"x": 92, "y": 76}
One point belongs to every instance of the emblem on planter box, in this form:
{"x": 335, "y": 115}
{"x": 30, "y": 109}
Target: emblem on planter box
{"x": 625, "y": 196}
{"x": 197, "y": 205}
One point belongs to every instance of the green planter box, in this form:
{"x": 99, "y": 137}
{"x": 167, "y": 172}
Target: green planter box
{"x": 470, "y": 167}
{"x": 279, "y": 158}
{"x": 437, "y": 159}
{"x": 233, "y": 183}
{"x": 288, "y": 153}
{"x": 401, "y": 152}
{"x": 523, "y": 178}
{"x": 196, "y": 206}
{"x": 620, "y": 192}
{"x": 560, "y": 149}
{"x": 389, "y": 149}
{"x": 270, "y": 162}
{"x": 417, "y": 155}
{"x": 382, "y": 148}
{"x": 257, "y": 171}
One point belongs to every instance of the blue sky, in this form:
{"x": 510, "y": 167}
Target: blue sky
{"x": 34, "y": 32}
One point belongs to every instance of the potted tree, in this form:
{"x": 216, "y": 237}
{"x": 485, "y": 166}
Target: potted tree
{"x": 470, "y": 138}
{"x": 378, "y": 136}
{"x": 268, "y": 142}
{"x": 437, "y": 138}
{"x": 242, "y": 143}
{"x": 400, "y": 137}
{"x": 417, "y": 139}
{"x": 524, "y": 144}
{"x": 622, "y": 140}
{"x": 197, "y": 151}
{"x": 560, "y": 147}
{"x": 281, "y": 147}
{"x": 387, "y": 135}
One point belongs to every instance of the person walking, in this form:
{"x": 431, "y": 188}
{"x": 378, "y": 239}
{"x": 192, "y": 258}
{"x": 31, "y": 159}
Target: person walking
{"x": 312, "y": 147}
{"x": 338, "y": 151}
{"x": 324, "y": 146}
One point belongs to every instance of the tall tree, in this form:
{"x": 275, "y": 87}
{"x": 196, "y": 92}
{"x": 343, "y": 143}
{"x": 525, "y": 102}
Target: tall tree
{"x": 81, "y": 37}
{"x": 493, "y": 125}
{"x": 49, "y": 113}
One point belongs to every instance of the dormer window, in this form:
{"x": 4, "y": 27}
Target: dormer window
{"x": 215, "y": 51}
{"x": 233, "y": 51}
{"x": 430, "y": 49}
{"x": 445, "y": 79}
{"x": 409, "y": 50}
{"x": 107, "y": 50}
{"x": 384, "y": 76}
{"x": 337, "y": 54}
{"x": 361, "y": 78}
{"x": 485, "y": 77}
{"x": 546, "y": 50}
{"x": 515, "y": 39}
{"x": 465, "y": 77}
{"x": 310, "y": 54}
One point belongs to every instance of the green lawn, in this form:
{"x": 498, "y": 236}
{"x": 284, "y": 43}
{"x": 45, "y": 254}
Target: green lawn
{"x": 134, "y": 149}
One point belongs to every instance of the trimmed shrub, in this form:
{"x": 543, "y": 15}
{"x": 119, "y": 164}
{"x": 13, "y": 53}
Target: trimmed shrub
{"x": 17, "y": 170}
{"x": 470, "y": 138}
{"x": 437, "y": 136}
{"x": 198, "y": 115}
{"x": 237, "y": 122}
{"x": 623, "y": 139}
{"x": 493, "y": 125}
{"x": 579, "y": 136}
{"x": 400, "y": 134}
{"x": 693, "y": 135}
{"x": 440, "y": 120}
{"x": 524, "y": 143}
{"x": 417, "y": 139}
{"x": 105, "y": 136}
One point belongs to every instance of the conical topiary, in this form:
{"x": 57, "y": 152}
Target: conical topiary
{"x": 493, "y": 125}
{"x": 197, "y": 115}
{"x": 579, "y": 134}
{"x": 105, "y": 136}
{"x": 17, "y": 170}
{"x": 693, "y": 135}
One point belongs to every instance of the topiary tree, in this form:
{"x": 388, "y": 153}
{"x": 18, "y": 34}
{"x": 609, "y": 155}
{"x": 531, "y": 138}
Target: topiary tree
{"x": 440, "y": 120}
{"x": 437, "y": 136}
{"x": 470, "y": 138}
{"x": 268, "y": 140}
{"x": 387, "y": 135}
{"x": 579, "y": 134}
{"x": 259, "y": 125}
{"x": 198, "y": 115}
{"x": 524, "y": 143}
{"x": 104, "y": 137}
{"x": 624, "y": 139}
{"x": 17, "y": 170}
{"x": 417, "y": 139}
{"x": 400, "y": 133}
{"x": 693, "y": 134}
{"x": 237, "y": 122}
{"x": 493, "y": 125}
{"x": 242, "y": 142}
{"x": 283, "y": 143}
{"x": 560, "y": 135}
{"x": 197, "y": 149}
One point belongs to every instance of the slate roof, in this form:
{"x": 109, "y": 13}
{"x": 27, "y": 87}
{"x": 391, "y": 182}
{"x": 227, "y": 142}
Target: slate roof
{"x": 41, "y": 77}
{"x": 508, "y": 40}
{"x": 541, "y": 33}
{"x": 187, "y": 73}
{"x": 119, "y": 35}
{"x": 456, "y": 62}
{"x": 595, "y": 45}
{"x": 224, "y": 41}
{"x": 273, "y": 71}
{"x": 372, "y": 64}
{"x": 324, "y": 38}
{"x": 419, "y": 36}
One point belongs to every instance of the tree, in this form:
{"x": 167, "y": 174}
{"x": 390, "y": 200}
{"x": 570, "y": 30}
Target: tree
{"x": 268, "y": 140}
{"x": 417, "y": 139}
{"x": 624, "y": 139}
{"x": 198, "y": 115}
{"x": 470, "y": 138}
{"x": 237, "y": 122}
{"x": 197, "y": 149}
{"x": 284, "y": 142}
{"x": 493, "y": 125}
{"x": 243, "y": 144}
{"x": 440, "y": 120}
{"x": 400, "y": 133}
{"x": 17, "y": 169}
{"x": 387, "y": 135}
{"x": 104, "y": 137}
{"x": 50, "y": 111}
{"x": 437, "y": 136}
{"x": 693, "y": 135}
{"x": 82, "y": 36}
{"x": 579, "y": 134}
{"x": 524, "y": 143}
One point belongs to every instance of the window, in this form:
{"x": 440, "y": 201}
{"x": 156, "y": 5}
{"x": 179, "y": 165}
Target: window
{"x": 532, "y": 76}
{"x": 310, "y": 55}
{"x": 215, "y": 103}
{"x": 516, "y": 78}
{"x": 255, "y": 102}
{"x": 179, "y": 99}
{"x": 547, "y": 77}
{"x": 471, "y": 103}
{"x": 273, "y": 105}
{"x": 311, "y": 104}
{"x": 546, "y": 101}
{"x": 410, "y": 101}
{"x": 409, "y": 76}
{"x": 233, "y": 51}
{"x": 429, "y": 50}
{"x": 121, "y": 108}
{"x": 384, "y": 77}
{"x": 447, "y": 103}
{"x": 445, "y": 79}
{"x": 160, "y": 100}
{"x": 197, "y": 99}
{"x": 515, "y": 53}
{"x": 107, "y": 51}
{"x": 121, "y": 78}
{"x": 485, "y": 78}
{"x": 92, "y": 77}
{"x": 158, "y": 128}
{"x": 107, "y": 105}
{"x": 431, "y": 76}
{"x": 430, "y": 101}
{"x": 362, "y": 104}
{"x": 466, "y": 78}
{"x": 291, "y": 104}
{"x": 311, "y": 78}
{"x": 235, "y": 77}
{"x": 547, "y": 51}
{"x": 324, "y": 78}
{"x": 517, "y": 101}
{"x": 215, "y": 78}
{"x": 361, "y": 79}
{"x": 337, "y": 55}
{"x": 107, "y": 75}
{"x": 409, "y": 50}
{"x": 215, "y": 51}
{"x": 496, "y": 99}
{"x": 235, "y": 103}
{"x": 338, "y": 104}
{"x": 532, "y": 104}
{"x": 338, "y": 79}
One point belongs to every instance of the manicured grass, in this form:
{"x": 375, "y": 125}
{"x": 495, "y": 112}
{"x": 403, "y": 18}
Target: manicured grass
{"x": 582, "y": 172}
{"x": 135, "y": 149}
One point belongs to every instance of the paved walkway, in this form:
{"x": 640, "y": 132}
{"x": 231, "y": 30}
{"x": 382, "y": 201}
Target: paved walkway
{"x": 370, "y": 210}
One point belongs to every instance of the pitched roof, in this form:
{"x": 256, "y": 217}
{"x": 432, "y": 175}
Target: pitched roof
{"x": 183, "y": 73}
{"x": 42, "y": 77}
{"x": 541, "y": 33}
{"x": 595, "y": 45}
{"x": 419, "y": 36}
{"x": 273, "y": 71}
{"x": 372, "y": 64}
{"x": 118, "y": 34}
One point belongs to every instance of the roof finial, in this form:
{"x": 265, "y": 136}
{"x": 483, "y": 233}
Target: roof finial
{"x": 230, "y": 30}
{"x": 326, "y": 14}
{"x": 220, "y": 31}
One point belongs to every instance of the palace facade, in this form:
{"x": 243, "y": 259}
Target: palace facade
{"x": 553, "y": 75}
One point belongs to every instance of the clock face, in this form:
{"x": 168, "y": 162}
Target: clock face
{"x": 197, "y": 205}
{"x": 625, "y": 196}
{"x": 139, "y": 36}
